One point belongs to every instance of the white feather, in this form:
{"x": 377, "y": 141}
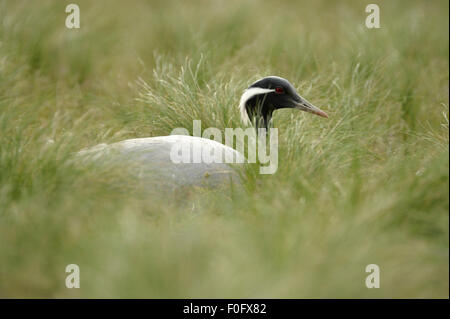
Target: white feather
{"x": 248, "y": 94}
{"x": 161, "y": 144}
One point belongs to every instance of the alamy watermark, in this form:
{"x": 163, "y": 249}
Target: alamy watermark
{"x": 73, "y": 278}
{"x": 373, "y": 19}
{"x": 373, "y": 279}
{"x": 73, "y": 19}
{"x": 261, "y": 146}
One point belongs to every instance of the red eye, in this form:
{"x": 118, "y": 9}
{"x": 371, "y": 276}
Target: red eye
{"x": 279, "y": 90}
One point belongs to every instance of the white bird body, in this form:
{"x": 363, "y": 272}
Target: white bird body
{"x": 150, "y": 158}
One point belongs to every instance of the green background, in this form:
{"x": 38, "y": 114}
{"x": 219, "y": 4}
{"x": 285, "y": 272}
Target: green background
{"x": 367, "y": 186}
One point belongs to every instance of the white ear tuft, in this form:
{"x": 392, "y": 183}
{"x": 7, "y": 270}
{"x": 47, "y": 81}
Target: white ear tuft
{"x": 247, "y": 95}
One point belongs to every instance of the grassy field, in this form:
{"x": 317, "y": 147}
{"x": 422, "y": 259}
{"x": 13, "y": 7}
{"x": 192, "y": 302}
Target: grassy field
{"x": 367, "y": 186}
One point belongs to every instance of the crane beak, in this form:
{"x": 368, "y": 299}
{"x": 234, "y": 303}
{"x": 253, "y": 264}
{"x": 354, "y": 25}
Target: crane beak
{"x": 304, "y": 105}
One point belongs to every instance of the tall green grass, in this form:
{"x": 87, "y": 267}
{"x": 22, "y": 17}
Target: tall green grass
{"x": 369, "y": 185}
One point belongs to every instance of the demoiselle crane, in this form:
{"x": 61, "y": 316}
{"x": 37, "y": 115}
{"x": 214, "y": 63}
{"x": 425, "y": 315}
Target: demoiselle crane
{"x": 151, "y": 157}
